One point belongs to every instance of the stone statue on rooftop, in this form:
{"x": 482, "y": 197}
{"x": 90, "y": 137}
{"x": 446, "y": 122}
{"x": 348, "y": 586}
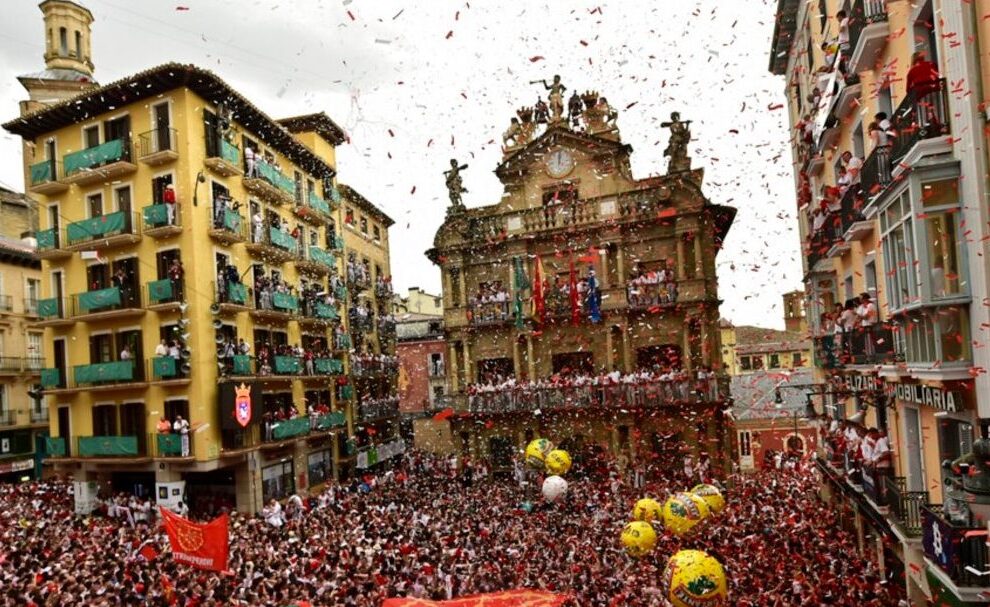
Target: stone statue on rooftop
{"x": 455, "y": 187}
{"x": 556, "y": 97}
{"x": 680, "y": 135}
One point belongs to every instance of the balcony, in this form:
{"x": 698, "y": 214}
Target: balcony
{"x": 158, "y": 147}
{"x": 160, "y": 222}
{"x": 44, "y": 178}
{"x": 115, "y": 375}
{"x": 328, "y": 366}
{"x": 379, "y": 409}
{"x": 868, "y": 33}
{"x": 373, "y": 367}
{"x": 165, "y": 295}
{"x": 360, "y": 324}
{"x": 317, "y": 313}
{"x": 357, "y": 280}
{"x": 100, "y": 164}
{"x": 919, "y": 119}
{"x": 170, "y": 446}
{"x": 316, "y": 210}
{"x": 284, "y": 368}
{"x": 222, "y": 157}
{"x": 113, "y": 302}
{"x": 489, "y": 314}
{"x": 306, "y": 425}
{"x": 651, "y": 296}
{"x": 315, "y": 262}
{"x": 341, "y": 342}
{"x": 54, "y": 312}
{"x": 16, "y": 365}
{"x": 228, "y": 228}
{"x": 39, "y": 415}
{"x": 31, "y": 306}
{"x": 268, "y": 183}
{"x": 167, "y": 371}
{"x": 905, "y": 506}
{"x": 53, "y": 379}
{"x": 876, "y": 174}
{"x": 336, "y": 242}
{"x": 231, "y": 298}
{"x": 102, "y": 232}
{"x": 959, "y": 551}
{"x": 111, "y": 447}
{"x": 50, "y": 245}
{"x": 272, "y": 245}
{"x": 853, "y": 224}
{"x": 274, "y": 306}
{"x": 647, "y": 395}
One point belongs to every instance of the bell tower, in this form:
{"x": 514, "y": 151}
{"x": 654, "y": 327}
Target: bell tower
{"x": 68, "y": 56}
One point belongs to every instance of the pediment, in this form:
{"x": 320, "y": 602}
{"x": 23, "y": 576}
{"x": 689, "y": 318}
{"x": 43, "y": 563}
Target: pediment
{"x": 523, "y": 161}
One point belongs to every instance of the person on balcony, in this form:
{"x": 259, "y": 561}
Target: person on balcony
{"x": 853, "y": 166}
{"x": 181, "y": 428}
{"x": 258, "y": 227}
{"x": 175, "y": 275}
{"x": 923, "y": 79}
{"x": 881, "y": 131}
{"x": 250, "y": 160}
{"x": 163, "y": 426}
{"x": 843, "y": 37}
{"x": 866, "y": 318}
{"x": 161, "y": 349}
{"x": 168, "y": 197}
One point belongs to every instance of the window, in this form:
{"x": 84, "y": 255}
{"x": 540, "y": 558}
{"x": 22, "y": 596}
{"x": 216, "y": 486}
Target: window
{"x": 320, "y": 467}
{"x": 33, "y": 294}
{"x": 349, "y": 216}
{"x": 797, "y": 360}
{"x": 745, "y": 443}
{"x": 364, "y": 225}
{"x": 91, "y": 136}
{"x": 774, "y": 361}
{"x": 896, "y": 227}
{"x": 436, "y": 364}
{"x": 376, "y": 232}
{"x": 105, "y": 420}
{"x": 277, "y": 481}
{"x": 158, "y": 185}
{"x": 745, "y": 363}
{"x": 79, "y": 50}
{"x": 63, "y": 41}
{"x": 94, "y": 202}
{"x": 35, "y": 351}
{"x": 299, "y": 187}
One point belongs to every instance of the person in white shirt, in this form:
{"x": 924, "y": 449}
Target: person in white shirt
{"x": 843, "y": 37}
{"x": 259, "y": 223}
{"x": 125, "y": 354}
{"x": 161, "y": 349}
{"x": 853, "y": 165}
{"x": 249, "y": 158}
{"x": 181, "y": 428}
{"x": 866, "y": 317}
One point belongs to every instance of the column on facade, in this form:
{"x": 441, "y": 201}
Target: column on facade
{"x": 452, "y": 367}
{"x": 681, "y": 274}
{"x": 467, "y": 362}
{"x": 706, "y": 350}
{"x": 699, "y": 263}
{"x": 686, "y": 344}
{"x": 463, "y": 283}
{"x": 626, "y": 356}
{"x": 516, "y": 363}
{"x": 620, "y": 265}
{"x": 609, "y": 358}
{"x": 604, "y": 281}
{"x": 447, "y": 288}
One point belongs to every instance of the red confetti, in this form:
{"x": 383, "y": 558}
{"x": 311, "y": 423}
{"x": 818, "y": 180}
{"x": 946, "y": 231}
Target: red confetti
{"x": 450, "y": 35}
{"x": 535, "y": 58}
{"x": 351, "y": 15}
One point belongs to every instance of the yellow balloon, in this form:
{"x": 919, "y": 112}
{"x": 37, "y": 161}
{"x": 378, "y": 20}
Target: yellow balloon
{"x": 695, "y": 579}
{"x": 712, "y": 496}
{"x": 683, "y": 511}
{"x": 639, "y": 538}
{"x": 536, "y": 452}
{"x": 647, "y": 509}
{"x": 558, "y": 461}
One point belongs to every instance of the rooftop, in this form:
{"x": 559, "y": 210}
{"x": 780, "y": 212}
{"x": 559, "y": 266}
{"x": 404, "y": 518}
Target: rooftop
{"x": 155, "y": 81}
{"x": 363, "y": 203}
{"x": 318, "y": 123}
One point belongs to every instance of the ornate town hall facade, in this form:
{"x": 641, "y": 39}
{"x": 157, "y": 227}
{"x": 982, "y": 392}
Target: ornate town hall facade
{"x": 581, "y": 271}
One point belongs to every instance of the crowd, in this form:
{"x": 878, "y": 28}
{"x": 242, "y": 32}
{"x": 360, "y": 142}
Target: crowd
{"x": 369, "y": 362}
{"x": 358, "y": 272}
{"x": 428, "y": 529}
{"x": 862, "y": 452}
{"x": 848, "y": 331}
{"x": 652, "y": 287}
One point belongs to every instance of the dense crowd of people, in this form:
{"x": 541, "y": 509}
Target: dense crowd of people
{"x": 849, "y": 331}
{"x": 652, "y": 287}
{"x": 428, "y": 529}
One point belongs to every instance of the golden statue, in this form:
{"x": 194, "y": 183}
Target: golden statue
{"x": 556, "y": 97}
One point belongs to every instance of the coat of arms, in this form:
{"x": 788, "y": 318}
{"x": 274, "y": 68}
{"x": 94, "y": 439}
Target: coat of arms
{"x": 242, "y": 405}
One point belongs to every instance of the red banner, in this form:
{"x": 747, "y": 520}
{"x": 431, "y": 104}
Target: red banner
{"x": 203, "y": 546}
{"x": 512, "y": 598}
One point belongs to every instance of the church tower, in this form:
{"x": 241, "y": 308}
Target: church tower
{"x": 68, "y": 56}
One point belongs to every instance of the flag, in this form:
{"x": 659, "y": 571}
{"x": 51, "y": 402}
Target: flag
{"x": 511, "y": 598}
{"x": 442, "y": 415}
{"x": 148, "y": 552}
{"x": 522, "y": 283}
{"x": 573, "y": 292}
{"x": 203, "y": 546}
{"x": 539, "y": 310}
{"x": 594, "y": 298}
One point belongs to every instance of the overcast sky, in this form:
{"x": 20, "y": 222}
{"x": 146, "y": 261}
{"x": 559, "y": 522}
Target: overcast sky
{"x": 417, "y": 83}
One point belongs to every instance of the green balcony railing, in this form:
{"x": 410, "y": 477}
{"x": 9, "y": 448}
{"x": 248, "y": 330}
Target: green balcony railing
{"x": 342, "y": 341}
{"x": 237, "y": 293}
{"x": 272, "y": 175}
{"x": 330, "y": 366}
{"x": 287, "y": 365}
{"x": 51, "y": 378}
{"x": 47, "y": 239}
{"x": 318, "y": 204}
{"x": 297, "y": 426}
{"x": 108, "y": 446}
{"x": 320, "y": 256}
{"x": 95, "y": 228}
{"x": 324, "y": 311}
{"x": 55, "y": 446}
{"x": 156, "y": 216}
{"x": 337, "y": 242}
{"x": 242, "y": 365}
{"x": 164, "y": 367}
{"x": 230, "y": 153}
{"x": 160, "y": 291}
{"x": 284, "y": 301}
{"x": 111, "y": 151}
{"x": 50, "y": 308}
{"x": 169, "y": 445}
{"x": 331, "y": 420}
{"x": 45, "y": 171}
{"x": 96, "y": 300}
{"x": 104, "y": 372}
{"x": 282, "y": 240}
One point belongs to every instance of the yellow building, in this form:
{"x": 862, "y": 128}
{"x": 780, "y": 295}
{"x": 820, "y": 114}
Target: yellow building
{"x": 747, "y": 348}
{"x": 418, "y": 301}
{"x": 23, "y": 417}
{"x": 640, "y": 254}
{"x": 887, "y": 114}
{"x": 192, "y": 248}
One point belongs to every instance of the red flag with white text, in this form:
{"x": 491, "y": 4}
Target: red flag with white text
{"x": 201, "y": 545}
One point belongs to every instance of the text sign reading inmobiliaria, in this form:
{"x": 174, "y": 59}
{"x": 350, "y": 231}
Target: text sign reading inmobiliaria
{"x": 937, "y": 398}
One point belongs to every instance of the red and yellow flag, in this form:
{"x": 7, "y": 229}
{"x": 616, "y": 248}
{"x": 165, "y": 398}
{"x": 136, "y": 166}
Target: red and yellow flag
{"x": 511, "y": 598}
{"x": 539, "y": 306}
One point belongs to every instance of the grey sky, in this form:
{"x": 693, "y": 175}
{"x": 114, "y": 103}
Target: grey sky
{"x": 417, "y": 83}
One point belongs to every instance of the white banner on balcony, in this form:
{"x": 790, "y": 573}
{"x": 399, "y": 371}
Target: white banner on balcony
{"x": 827, "y": 99}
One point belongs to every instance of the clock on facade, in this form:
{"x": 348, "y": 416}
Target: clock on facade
{"x": 559, "y": 162}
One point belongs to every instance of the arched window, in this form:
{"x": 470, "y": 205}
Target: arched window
{"x": 79, "y": 51}
{"x": 63, "y": 41}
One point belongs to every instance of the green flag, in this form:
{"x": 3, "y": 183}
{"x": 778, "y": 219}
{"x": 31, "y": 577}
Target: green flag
{"x": 522, "y": 283}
